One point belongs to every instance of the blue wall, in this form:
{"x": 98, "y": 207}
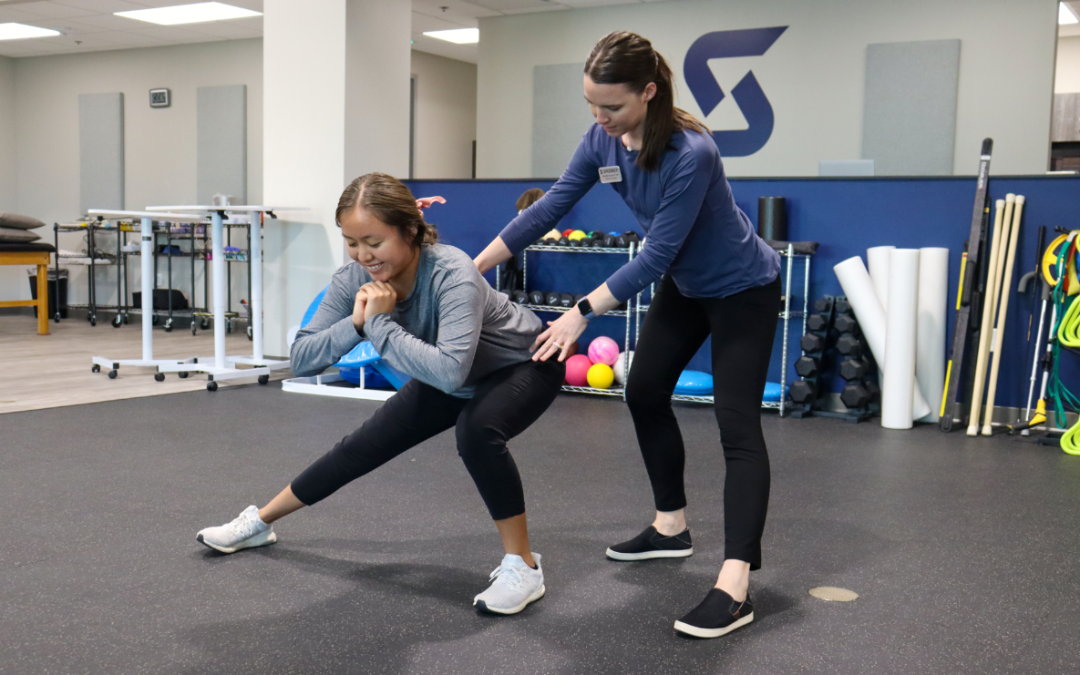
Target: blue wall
{"x": 846, "y": 216}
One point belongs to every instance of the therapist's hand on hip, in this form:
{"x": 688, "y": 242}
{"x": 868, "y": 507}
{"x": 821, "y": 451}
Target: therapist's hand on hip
{"x": 564, "y": 331}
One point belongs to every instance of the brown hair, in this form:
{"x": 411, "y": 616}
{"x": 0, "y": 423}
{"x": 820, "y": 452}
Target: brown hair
{"x": 387, "y": 198}
{"x": 528, "y": 198}
{"x": 627, "y": 58}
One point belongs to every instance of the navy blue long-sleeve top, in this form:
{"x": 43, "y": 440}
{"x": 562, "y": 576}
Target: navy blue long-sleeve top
{"x": 695, "y": 231}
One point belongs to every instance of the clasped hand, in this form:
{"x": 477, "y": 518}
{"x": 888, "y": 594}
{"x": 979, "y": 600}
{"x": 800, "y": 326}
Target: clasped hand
{"x": 376, "y": 297}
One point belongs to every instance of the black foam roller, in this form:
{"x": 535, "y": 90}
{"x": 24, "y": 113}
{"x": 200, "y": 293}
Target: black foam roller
{"x": 772, "y": 218}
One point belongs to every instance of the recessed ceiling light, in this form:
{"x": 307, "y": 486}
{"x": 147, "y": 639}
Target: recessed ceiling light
{"x": 19, "y": 31}
{"x": 197, "y": 13}
{"x": 1065, "y": 14}
{"x": 461, "y": 36}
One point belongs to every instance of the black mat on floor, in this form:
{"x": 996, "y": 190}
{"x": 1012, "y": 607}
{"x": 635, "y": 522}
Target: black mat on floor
{"x": 964, "y": 551}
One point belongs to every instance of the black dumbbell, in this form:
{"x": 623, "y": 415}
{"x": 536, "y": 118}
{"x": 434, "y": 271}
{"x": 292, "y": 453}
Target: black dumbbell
{"x": 578, "y": 298}
{"x": 551, "y": 299}
{"x": 811, "y": 343}
{"x": 817, "y": 322}
{"x": 537, "y": 297}
{"x": 843, "y": 306}
{"x": 845, "y": 323}
{"x": 563, "y": 241}
{"x": 807, "y": 366}
{"x": 854, "y": 368}
{"x": 577, "y": 243}
{"x": 823, "y": 305}
{"x": 803, "y": 391}
{"x": 872, "y": 388}
{"x": 855, "y": 395}
{"x": 520, "y": 297}
{"x": 849, "y": 345}
{"x": 566, "y": 300}
{"x": 608, "y": 241}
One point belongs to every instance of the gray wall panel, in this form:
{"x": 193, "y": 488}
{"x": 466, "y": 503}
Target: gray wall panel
{"x": 222, "y": 143}
{"x": 101, "y": 151}
{"x": 560, "y": 117}
{"x": 909, "y": 107}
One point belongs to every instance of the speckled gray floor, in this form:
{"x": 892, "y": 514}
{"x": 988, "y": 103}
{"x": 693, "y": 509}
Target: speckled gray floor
{"x": 965, "y": 552}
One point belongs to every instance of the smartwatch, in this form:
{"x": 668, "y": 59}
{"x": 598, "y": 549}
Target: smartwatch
{"x": 585, "y": 308}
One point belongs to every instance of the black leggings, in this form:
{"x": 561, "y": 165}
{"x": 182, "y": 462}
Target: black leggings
{"x": 742, "y": 326}
{"x": 505, "y": 404}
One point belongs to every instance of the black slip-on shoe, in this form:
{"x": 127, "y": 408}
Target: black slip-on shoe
{"x": 717, "y": 615}
{"x": 651, "y": 544}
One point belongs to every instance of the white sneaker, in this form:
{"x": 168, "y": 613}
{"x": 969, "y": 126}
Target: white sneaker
{"x": 514, "y": 585}
{"x": 246, "y": 531}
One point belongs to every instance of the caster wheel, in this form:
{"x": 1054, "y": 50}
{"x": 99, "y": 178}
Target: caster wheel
{"x": 204, "y": 324}
{"x": 183, "y": 375}
{"x": 228, "y": 326}
{"x": 250, "y": 333}
{"x": 95, "y": 368}
{"x": 211, "y": 386}
{"x": 112, "y": 374}
{"x": 56, "y": 317}
{"x": 93, "y": 321}
{"x": 153, "y": 320}
{"x": 263, "y": 379}
{"x": 159, "y": 377}
{"x": 117, "y": 322}
{"x": 194, "y": 330}
{"x": 168, "y": 327}
{"x": 127, "y": 319}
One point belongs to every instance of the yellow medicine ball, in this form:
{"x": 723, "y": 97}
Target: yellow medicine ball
{"x": 577, "y": 234}
{"x": 600, "y": 376}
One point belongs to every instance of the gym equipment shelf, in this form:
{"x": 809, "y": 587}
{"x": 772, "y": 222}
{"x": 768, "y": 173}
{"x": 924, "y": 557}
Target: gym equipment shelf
{"x": 786, "y": 316}
{"x": 629, "y": 251}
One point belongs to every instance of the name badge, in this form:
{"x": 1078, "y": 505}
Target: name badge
{"x": 610, "y": 174}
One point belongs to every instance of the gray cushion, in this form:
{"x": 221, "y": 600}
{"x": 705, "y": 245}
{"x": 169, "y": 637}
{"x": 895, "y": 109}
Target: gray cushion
{"x": 19, "y": 222}
{"x": 21, "y": 236}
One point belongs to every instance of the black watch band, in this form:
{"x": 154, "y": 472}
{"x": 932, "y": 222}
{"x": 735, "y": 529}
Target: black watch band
{"x": 585, "y": 308}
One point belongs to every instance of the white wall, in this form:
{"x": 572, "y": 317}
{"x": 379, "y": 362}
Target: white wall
{"x": 1067, "y": 75}
{"x": 159, "y": 144}
{"x": 813, "y": 75}
{"x": 445, "y": 116}
{"x": 7, "y": 135}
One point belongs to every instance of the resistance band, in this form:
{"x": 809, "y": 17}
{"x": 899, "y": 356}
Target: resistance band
{"x": 1067, "y": 330}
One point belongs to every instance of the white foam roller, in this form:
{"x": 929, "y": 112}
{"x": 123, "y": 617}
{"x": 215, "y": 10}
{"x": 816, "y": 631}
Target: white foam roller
{"x": 877, "y": 261}
{"x": 858, "y": 288}
{"x": 622, "y": 365}
{"x": 898, "y": 391}
{"x": 930, "y": 342}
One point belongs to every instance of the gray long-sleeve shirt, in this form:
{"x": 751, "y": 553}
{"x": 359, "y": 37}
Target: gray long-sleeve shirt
{"x": 450, "y": 332}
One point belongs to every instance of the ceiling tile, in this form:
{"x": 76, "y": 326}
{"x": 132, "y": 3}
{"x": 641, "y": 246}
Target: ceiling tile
{"x": 125, "y": 39}
{"x": 110, "y": 22}
{"x": 454, "y": 8}
{"x": 585, "y": 4}
{"x": 225, "y": 30}
{"x": 532, "y": 10}
{"x": 13, "y": 14}
{"x": 52, "y": 10}
{"x": 421, "y": 23}
{"x": 102, "y": 6}
{"x": 69, "y": 26}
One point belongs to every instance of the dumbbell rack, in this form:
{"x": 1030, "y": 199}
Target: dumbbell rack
{"x": 788, "y": 255}
{"x": 630, "y": 310}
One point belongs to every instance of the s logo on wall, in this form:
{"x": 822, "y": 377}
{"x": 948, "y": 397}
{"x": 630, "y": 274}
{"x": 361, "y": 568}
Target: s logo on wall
{"x": 747, "y": 93}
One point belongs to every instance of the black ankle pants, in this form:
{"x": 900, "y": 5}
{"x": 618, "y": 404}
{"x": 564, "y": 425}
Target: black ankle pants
{"x": 505, "y": 403}
{"x": 743, "y": 327}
